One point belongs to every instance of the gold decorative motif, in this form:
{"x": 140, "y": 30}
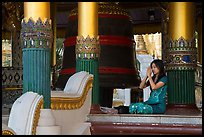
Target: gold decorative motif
{"x": 7, "y": 132}
{"x": 105, "y": 8}
{"x": 37, "y": 23}
{"x": 36, "y": 34}
{"x": 181, "y": 54}
{"x": 87, "y": 47}
{"x": 37, "y": 116}
{"x": 66, "y": 103}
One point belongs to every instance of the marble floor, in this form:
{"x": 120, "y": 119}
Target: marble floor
{"x": 147, "y": 118}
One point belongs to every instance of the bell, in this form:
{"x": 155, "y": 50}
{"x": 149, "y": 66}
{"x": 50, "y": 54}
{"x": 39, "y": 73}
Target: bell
{"x": 117, "y": 62}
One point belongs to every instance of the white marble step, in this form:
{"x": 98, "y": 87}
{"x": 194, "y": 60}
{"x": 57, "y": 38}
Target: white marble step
{"x": 146, "y": 118}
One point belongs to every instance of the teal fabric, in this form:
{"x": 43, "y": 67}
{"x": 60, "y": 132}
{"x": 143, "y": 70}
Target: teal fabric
{"x": 155, "y": 104}
{"x": 140, "y": 108}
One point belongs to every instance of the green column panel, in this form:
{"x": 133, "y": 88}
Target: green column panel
{"x": 91, "y": 66}
{"x": 36, "y": 72}
{"x": 181, "y": 86}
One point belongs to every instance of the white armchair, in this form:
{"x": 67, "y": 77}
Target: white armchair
{"x": 24, "y": 115}
{"x": 70, "y": 109}
{"x": 72, "y": 105}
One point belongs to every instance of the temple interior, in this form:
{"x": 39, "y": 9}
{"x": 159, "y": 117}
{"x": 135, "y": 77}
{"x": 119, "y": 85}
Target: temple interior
{"x": 47, "y": 46}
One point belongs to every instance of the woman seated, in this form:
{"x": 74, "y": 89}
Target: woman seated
{"x": 156, "y": 103}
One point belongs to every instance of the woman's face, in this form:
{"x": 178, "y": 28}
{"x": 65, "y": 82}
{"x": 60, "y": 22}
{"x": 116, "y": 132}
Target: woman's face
{"x": 155, "y": 69}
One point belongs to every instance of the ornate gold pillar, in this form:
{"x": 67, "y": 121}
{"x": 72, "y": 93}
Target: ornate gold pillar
{"x": 87, "y": 44}
{"x": 181, "y": 56}
{"x": 36, "y": 37}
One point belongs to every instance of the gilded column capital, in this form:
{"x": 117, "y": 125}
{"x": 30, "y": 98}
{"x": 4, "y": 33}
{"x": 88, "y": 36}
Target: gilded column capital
{"x": 36, "y": 34}
{"x": 181, "y": 54}
{"x": 87, "y": 48}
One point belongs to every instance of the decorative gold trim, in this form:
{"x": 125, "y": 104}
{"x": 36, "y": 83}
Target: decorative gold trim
{"x": 87, "y": 47}
{"x": 7, "y": 132}
{"x": 12, "y": 88}
{"x": 181, "y": 54}
{"x": 66, "y": 103}
{"x": 105, "y": 8}
{"x": 36, "y": 23}
{"x": 37, "y": 116}
{"x": 36, "y": 34}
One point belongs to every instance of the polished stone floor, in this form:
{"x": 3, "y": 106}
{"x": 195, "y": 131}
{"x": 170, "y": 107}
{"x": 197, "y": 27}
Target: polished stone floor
{"x": 146, "y": 118}
{"x": 172, "y": 116}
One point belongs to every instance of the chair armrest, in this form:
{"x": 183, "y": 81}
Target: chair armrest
{"x": 7, "y": 131}
{"x": 66, "y": 101}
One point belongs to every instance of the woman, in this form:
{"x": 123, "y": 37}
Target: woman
{"x": 158, "y": 84}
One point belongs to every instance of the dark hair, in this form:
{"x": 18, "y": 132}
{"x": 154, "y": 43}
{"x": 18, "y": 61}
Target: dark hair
{"x": 160, "y": 65}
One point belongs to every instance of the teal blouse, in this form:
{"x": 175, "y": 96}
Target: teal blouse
{"x": 155, "y": 104}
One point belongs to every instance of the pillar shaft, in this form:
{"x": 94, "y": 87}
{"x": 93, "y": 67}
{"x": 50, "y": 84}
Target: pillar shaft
{"x": 181, "y": 89}
{"x": 92, "y": 67}
{"x": 181, "y": 53}
{"x": 36, "y": 37}
{"x": 36, "y": 72}
{"x": 37, "y": 10}
{"x": 181, "y": 20}
{"x": 87, "y": 44}
{"x": 88, "y": 19}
